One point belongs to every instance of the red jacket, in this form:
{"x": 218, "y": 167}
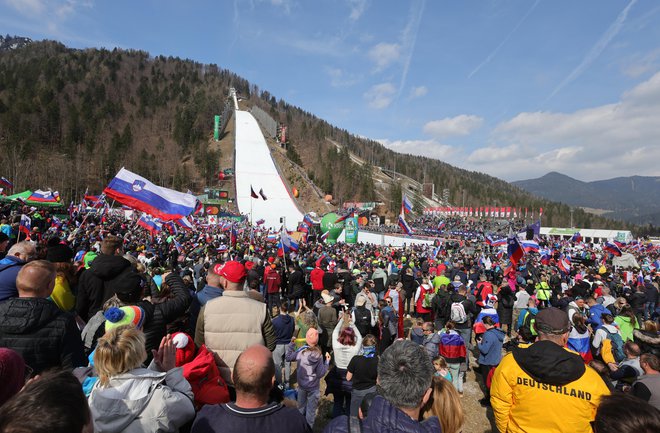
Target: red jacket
{"x": 273, "y": 280}
{"x": 316, "y": 277}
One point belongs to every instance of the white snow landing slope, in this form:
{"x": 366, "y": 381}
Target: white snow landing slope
{"x": 255, "y": 166}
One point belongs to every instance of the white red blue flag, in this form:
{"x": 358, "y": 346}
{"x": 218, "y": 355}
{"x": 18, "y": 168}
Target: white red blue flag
{"x": 287, "y": 242}
{"x": 150, "y": 223}
{"x": 514, "y": 249}
{"x": 406, "y": 205}
{"x": 44, "y": 196}
{"x": 404, "y": 226}
{"x": 6, "y": 182}
{"x": 184, "y": 223}
{"x": 166, "y": 204}
{"x": 564, "y": 264}
{"x": 577, "y": 237}
{"x": 25, "y": 224}
{"x": 612, "y": 248}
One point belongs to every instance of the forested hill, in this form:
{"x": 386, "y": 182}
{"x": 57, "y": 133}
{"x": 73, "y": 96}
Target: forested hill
{"x": 69, "y": 119}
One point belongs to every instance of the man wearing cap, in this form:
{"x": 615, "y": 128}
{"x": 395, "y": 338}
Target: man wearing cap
{"x": 211, "y": 290}
{"x": 545, "y": 387}
{"x": 231, "y": 323}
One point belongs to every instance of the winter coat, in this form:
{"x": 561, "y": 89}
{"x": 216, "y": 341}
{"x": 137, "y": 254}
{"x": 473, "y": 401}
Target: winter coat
{"x": 9, "y": 267}
{"x": 312, "y": 366}
{"x": 283, "y": 326}
{"x": 431, "y": 343}
{"x": 343, "y": 353}
{"x": 505, "y": 302}
{"x": 44, "y": 335}
{"x": 648, "y": 342}
{"x": 272, "y": 280}
{"x": 383, "y": 417}
{"x": 296, "y": 285}
{"x": 595, "y": 315}
{"x": 543, "y": 388}
{"x": 452, "y": 347}
{"x": 165, "y": 312}
{"x": 142, "y": 400}
{"x": 626, "y": 326}
{"x": 95, "y": 283}
{"x": 490, "y": 347}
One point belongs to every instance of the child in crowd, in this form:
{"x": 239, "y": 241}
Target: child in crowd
{"x": 441, "y": 368}
{"x": 311, "y": 368}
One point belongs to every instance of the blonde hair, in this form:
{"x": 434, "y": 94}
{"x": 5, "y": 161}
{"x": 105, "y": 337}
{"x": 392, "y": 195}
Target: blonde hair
{"x": 120, "y": 350}
{"x": 446, "y": 405}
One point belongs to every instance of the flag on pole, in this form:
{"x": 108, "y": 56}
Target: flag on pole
{"x": 612, "y": 248}
{"x": 406, "y": 205}
{"x": 252, "y": 193}
{"x": 564, "y": 264}
{"x": 404, "y": 225}
{"x": 150, "y": 223}
{"x": 184, "y": 223}
{"x": 133, "y": 190}
{"x": 287, "y": 242}
{"x": 261, "y": 193}
{"x": 25, "y": 225}
{"x": 514, "y": 249}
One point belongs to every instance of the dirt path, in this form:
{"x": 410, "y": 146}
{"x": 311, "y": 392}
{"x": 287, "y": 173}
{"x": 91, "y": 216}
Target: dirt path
{"x": 477, "y": 418}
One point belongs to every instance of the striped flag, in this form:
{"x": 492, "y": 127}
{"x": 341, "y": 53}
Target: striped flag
{"x": 406, "y": 205}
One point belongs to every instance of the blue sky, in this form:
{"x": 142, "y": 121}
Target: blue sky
{"x": 512, "y": 88}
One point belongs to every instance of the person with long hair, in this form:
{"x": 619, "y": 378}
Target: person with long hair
{"x": 627, "y": 322}
{"x": 346, "y": 344}
{"x": 148, "y": 397}
{"x": 446, "y": 405}
{"x": 362, "y": 372}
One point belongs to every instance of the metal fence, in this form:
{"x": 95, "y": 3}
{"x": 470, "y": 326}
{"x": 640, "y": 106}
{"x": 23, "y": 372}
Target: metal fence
{"x": 267, "y": 123}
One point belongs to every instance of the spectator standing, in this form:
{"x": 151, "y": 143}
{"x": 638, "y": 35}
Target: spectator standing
{"x": 362, "y": 372}
{"x": 283, "y": 325}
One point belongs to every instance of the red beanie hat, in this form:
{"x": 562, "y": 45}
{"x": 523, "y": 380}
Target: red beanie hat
{"x": 185, "y": 348}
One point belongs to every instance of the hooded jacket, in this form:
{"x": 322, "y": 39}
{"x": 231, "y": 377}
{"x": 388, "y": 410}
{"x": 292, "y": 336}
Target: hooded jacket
{"x": 311, "y": 366}
{"x": 9, "y": 267}
{"x": 92, "y": 288}
{"x": 284, "y": 326}
{"x": 545, "y": 388}
{"x": 490, "y": 347}
{"x": 44, "y": 335}
{"x": 142, "y": 400}
{"x": 383, "y": 417}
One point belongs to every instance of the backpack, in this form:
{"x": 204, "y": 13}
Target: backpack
{"x": 526, "y": 330}
{"x": 428, "y": 298}
{"x": 207, "y": 385}
{"x": 362, "y": 320}
{"x": 617, "y": 345}
{"x": 458, "y": 314}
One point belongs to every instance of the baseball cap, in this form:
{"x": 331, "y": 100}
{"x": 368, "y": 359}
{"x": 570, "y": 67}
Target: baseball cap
{"x": 552, "y": 321}
{"x": 233, "y": 271}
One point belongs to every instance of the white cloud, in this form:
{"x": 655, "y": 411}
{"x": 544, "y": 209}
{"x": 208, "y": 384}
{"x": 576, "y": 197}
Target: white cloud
{"x": 452, "y": 126}
{"x": 380, "y": 96}
{"x": 27, "y": 7}
{"x": 428, "y": 148}
{"x": 601, "y": 142}
{"x": 418, "y": 92}
{"x": 637, "y": 65}
{"x": 284, "y": 4}
{"x": 357, "y": 9}
{"x": 384, "y": 54}
{"x": 339, "y": 78}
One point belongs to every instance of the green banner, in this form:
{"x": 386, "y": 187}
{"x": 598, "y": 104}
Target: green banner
{"x": 351, "y": 227}
{"x": 216, "y": 128}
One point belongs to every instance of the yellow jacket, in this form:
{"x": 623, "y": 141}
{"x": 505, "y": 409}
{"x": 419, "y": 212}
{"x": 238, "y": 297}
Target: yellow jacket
{"x": 62, "y": 294}
{"x": 561, "y": 397}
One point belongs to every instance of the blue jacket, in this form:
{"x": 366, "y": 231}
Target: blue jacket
{"x": 595, "y": 313}
{"x": 490, "y": 347}
{"x": 9, "y": 267}
{"x": 385, "y": 418}
{"x": 200, "y": 299}
{"x": 284, "y": 326}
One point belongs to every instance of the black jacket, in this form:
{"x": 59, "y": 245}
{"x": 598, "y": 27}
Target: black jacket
{"x": 95, "y": 284}
{"x": 43, "y": 334}
{"x": 165, "y": 312}
{"x": 296, "y": 285}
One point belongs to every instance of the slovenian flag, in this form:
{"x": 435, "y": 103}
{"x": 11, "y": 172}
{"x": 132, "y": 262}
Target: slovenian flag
{"x": 308, "y": 220}
{"x": 564, "y": 264}
{"x": 25, "y": 225}
{"x": 149, "y": 223}
{"x": 530, "y": 246}
{"x": 271, "y": 237}
{"x": 184, "y": 223}
{"x": 612, "y": 248}
{"x": 6, "y": 182}
{"x": 406, "y": 205}
{"x": 404, "y": 225}
{"x": 166, "y": 204}
{"x": 491, "y": 312}
{"x": 95, "y": 200}
{"x": 287, "y": 242}
{"x": 44, "y": 196}
{"x": 495, "y": 242}
{"x": 577, "y": 237}
{"x": 580, "y": 343}
{"x": 452, "y": 348}
{"x": 514, "y": 249}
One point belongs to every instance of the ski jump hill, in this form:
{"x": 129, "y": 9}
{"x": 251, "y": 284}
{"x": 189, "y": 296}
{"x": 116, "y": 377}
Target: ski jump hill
{"x": 255, "y": 168}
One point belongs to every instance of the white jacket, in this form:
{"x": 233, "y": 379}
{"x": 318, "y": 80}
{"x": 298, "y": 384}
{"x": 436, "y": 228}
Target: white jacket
{"x": 142, "y": 400}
